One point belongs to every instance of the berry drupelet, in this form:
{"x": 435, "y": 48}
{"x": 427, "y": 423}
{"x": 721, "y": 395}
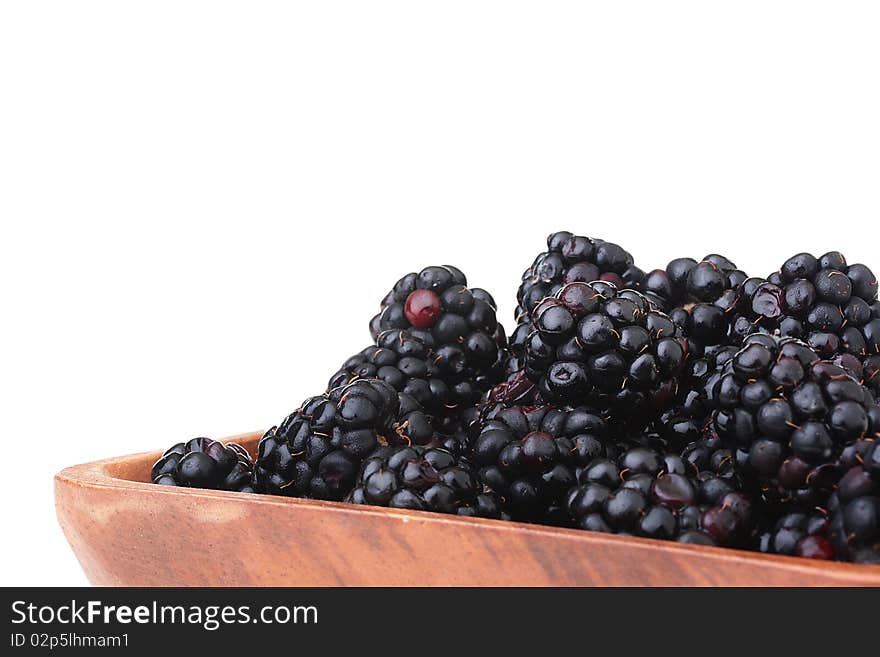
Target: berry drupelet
{"x": 531, "y": 455}
{"x": 832, "y": 306}
{"x": 789, "y": 415}
{"x": 607, "y": 348}
{"x": 205, "y": 463}
{"x": 424, "y": 479}
{"x": 456, "y": 323}
{"x": 643, "y": 492}
{"x": 317, "y": 450}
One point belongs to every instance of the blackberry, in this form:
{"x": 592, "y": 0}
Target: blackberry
{"x": 788, "y": 414}
{"x": 425, "y": 479}
{"x": 572, "y": 258}
{"x": 406, "y": 363}
{"x": 832, "y": 307}
{"x": 644, "y": 492}
{"x": 317, "y": 450}
{"x": 397, "y": 358}
{"x": 686, "y": 280}
{"x": 458, "y": 324}
{"x": 530, "y": 456}
{"x": 205, "y": 463}
{"x": 799, "y": 534}
{"x": 569, "y": 258}
{"x": 855, "y": 505}
{"x": 606, "y": 348}
{"x": 711, "y": 299}
{"x": 685, "y": 422}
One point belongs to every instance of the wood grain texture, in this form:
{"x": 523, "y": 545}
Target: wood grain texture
{"x": 127, "y": 532}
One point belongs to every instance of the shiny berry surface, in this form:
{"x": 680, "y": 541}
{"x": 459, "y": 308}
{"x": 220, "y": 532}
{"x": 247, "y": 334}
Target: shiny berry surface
{"x": 422, "y": 308}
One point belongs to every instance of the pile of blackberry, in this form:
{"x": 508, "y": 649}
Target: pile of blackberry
{"x": 692, "y": 403}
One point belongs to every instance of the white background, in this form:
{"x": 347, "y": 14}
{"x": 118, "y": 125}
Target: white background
{"x": 202, "y": 203}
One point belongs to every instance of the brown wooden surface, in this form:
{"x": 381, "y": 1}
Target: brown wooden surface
{"x": 128, "y": 532}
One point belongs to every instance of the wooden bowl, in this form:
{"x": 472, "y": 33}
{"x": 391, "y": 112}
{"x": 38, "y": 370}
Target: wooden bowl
{"x": 128, "y": 532}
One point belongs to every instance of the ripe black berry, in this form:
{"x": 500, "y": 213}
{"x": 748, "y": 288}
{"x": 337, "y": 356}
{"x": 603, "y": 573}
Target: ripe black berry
{"x": 424, "y": 479}
{"x": 407, "y": 364}
{"x": 317, "y": 450}
{"x": 569, "y": 258}
{"x": 646, "y": 493}
{"x": 592, "y": 343}
{"x": 205, "y": 463}
{"x": 790, "y": 415}
{"x": 456, "y": 323}
{"x": 829, "y": 305}
{"x": 710, "y": 300}
{"x": 530, "y": 456}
